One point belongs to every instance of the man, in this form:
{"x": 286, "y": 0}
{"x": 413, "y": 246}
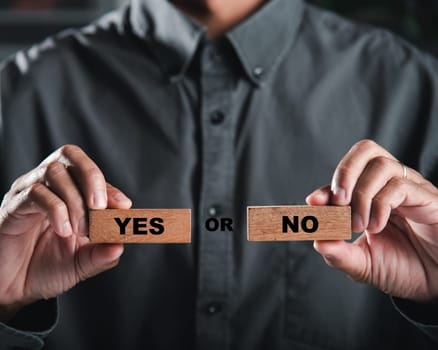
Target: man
{"x": 259, "y": 108}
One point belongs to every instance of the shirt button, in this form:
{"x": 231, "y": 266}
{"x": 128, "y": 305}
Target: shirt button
{"x": 258, "y": 72}
{"x": 214, "y": 210}
{"x": 213, "y": 308}
{"x": 217, "y": 117}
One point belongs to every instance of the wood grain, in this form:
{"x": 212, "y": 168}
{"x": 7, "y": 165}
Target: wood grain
{"x": 267, "y": 223}
{"x": 175, "y": 224}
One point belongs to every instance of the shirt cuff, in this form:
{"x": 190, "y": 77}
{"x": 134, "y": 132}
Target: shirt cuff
{"x": 424, "y": 316}
{"x": 29, "y": 327}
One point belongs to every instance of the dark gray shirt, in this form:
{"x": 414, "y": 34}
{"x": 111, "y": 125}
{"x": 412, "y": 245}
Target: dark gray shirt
{"x": 260, "y": 117}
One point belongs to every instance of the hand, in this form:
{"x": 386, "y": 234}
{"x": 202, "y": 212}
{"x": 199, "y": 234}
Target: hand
{"x": 397, "y": 251}
{"x": 44, "y": 250}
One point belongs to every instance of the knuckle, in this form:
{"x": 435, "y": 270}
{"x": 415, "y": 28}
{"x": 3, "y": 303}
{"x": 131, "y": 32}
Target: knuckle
{"x": 68, "y": 150}
{"x": 398, "y": 183}
{"x": 360, "y": 201}
{"x": 35, "y": 190}
{"x": 359, "y": 276}
{"x": 361, "y": 194}
{"x": 380, "y": 162}
{"x": 93, "y": 174}
{"x": 55, "y": 169}
{"x": 343, "y": 172}
{"x": 379, "y": 202}
{"x": 57, "y": 206}
{"x": 365, "y": 144}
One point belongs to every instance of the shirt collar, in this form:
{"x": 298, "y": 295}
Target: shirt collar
{"x": 261, "y": 41}
{"x": 172, "y": 35}
{"x": 264, "y": 38}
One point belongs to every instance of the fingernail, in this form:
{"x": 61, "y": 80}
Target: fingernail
{"x": 357, "y": 222}
{"x": 340, "y": 193}
{"x": 120, "y": 197}
{"x": 67, "y": 229}
{"x": 318, "y": 193}
{"x": 82, "y": 227}
{"x": 99, "y": 200}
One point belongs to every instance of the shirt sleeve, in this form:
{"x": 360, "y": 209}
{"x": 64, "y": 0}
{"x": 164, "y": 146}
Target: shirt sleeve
{"x": 424, "y": 316}
{"x": 34, "y": 322}
{"x": 30, "y": 326}
{"x": 2, "y": 164}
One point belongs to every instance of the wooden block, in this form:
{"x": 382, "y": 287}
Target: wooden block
{"x": 140, "y": 226}
{"x": 299, "y": 223}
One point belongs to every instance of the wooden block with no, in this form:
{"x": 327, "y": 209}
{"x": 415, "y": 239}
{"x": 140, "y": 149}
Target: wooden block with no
{"x": 298, "y": 223}
{"x": 140, "y": 226}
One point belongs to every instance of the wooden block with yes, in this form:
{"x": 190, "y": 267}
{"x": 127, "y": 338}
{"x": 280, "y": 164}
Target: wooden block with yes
{"x": 140, "y": 226}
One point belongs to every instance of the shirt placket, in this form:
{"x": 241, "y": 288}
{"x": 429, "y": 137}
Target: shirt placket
{"x": 216, "y": 201}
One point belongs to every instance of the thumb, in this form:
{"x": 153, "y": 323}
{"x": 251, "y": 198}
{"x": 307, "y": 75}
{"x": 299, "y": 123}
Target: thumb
{"x": 93, "y": 259}
{"x": 350, "y": 258}
{"x": 320, "y": 196}
{"x": 116, "y": 198}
